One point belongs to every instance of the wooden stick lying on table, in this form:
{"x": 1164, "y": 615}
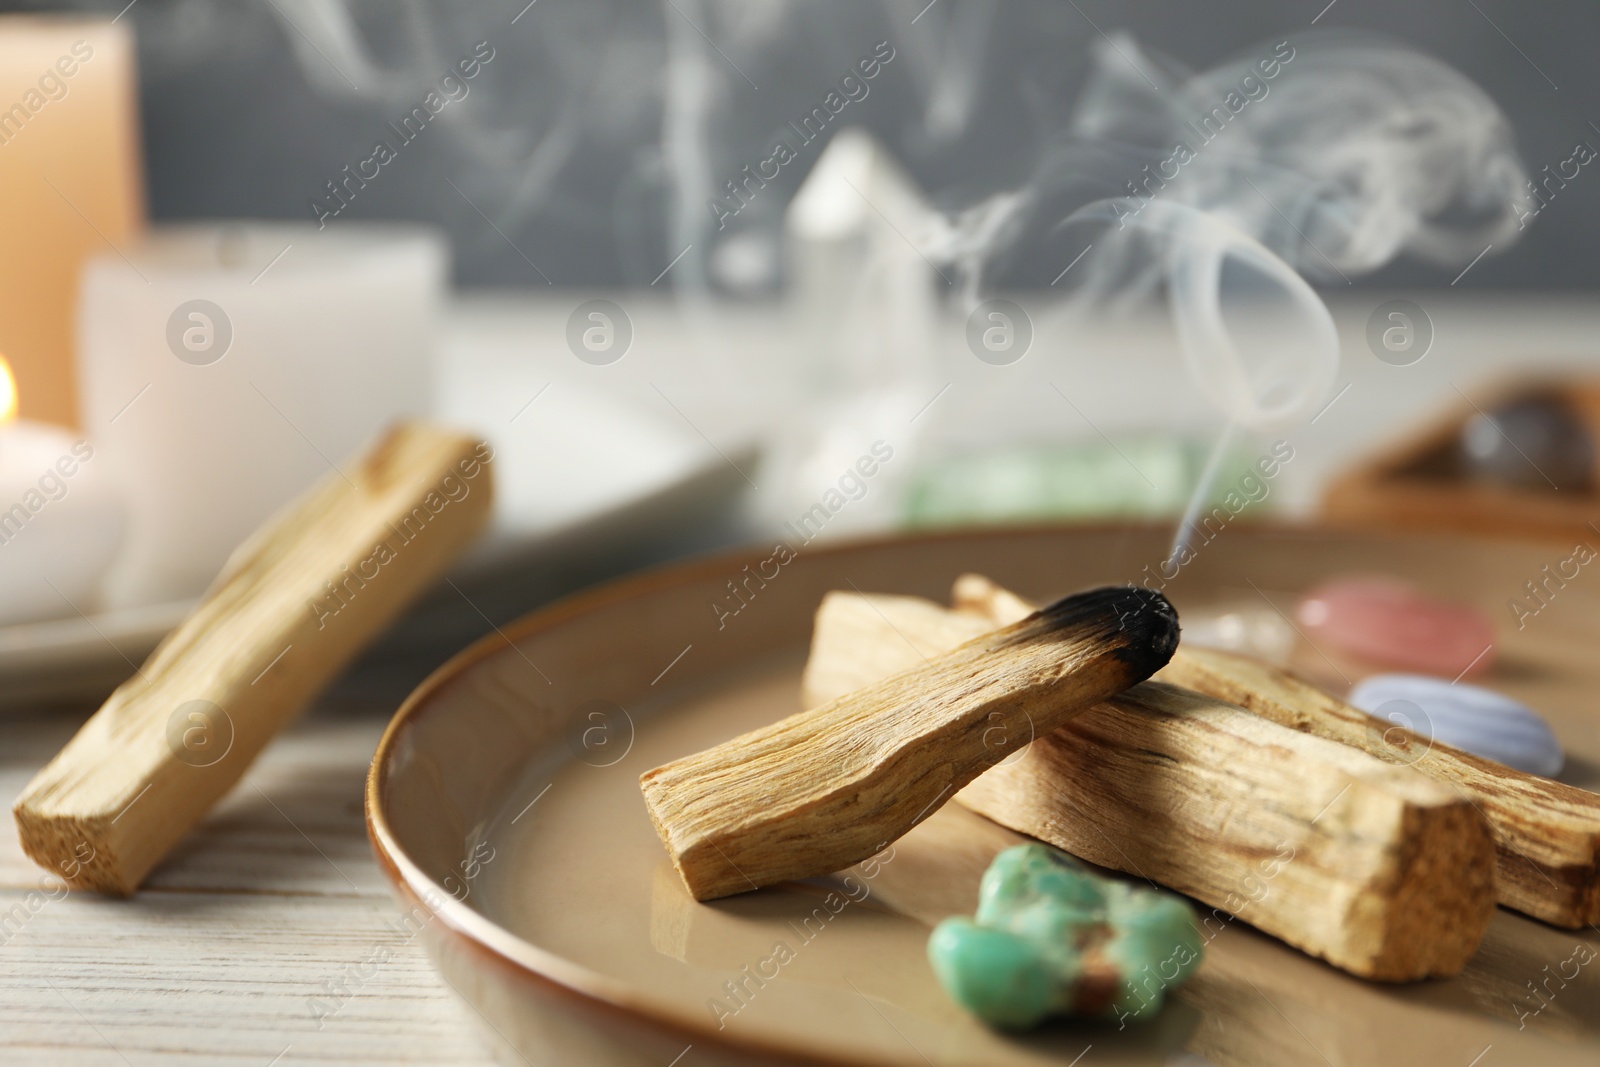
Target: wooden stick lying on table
{"x": 295, "y": 602}
{"x": 1367, "y": 865}
{"x": 827, "y": 788}
{"x": 1547, "y": 834}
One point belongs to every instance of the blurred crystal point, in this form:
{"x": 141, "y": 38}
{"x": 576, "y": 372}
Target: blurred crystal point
{"x": 856, "y": 186}
{"x": 862, "y": 310}
{"x": 861, "y": 293}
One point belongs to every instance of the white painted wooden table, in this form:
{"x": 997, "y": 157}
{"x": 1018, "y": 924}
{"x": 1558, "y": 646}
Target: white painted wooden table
{"x": 263, "y": 921}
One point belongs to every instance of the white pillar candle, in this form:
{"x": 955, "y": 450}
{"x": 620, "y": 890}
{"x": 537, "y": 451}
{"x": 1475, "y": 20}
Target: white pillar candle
{"x": 223, "y": 368}
{"x": 60, "y": 519}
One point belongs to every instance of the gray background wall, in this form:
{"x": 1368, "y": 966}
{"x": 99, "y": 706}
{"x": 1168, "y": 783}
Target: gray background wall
{"x": 561, "y": 155}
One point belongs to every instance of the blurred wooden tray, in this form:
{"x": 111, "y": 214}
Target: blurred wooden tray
{"x": 1415, "y": 484}
{"x": 504, "y": 806}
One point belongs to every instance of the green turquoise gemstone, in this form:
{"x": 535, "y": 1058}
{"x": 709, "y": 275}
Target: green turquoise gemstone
{"x": 994, "y": 974}
{"x": 1051, "y": 937}
{"x": 1159, "y": 932}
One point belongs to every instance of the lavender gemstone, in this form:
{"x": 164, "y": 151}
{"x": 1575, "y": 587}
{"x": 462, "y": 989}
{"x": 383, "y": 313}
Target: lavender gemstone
{"x": 1475, "y": 720}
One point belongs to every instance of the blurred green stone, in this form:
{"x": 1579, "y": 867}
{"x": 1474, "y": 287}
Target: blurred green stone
{"x": 1053, "y": 938}
{"x": 994, "y": 974}
{"x": 1137, "y": 478}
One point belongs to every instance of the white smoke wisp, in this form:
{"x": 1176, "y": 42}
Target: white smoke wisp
{"x": 1356, "y": 151}
{"x": 1274, "y": 365}
{"x": 966, "y": 240}
{"x": 1256, "y": 340}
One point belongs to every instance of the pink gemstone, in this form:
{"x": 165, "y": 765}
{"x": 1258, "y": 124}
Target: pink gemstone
{"x": 1389, "y": 623}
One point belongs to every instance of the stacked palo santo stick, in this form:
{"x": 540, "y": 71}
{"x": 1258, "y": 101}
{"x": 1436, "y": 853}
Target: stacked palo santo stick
{"x": 1222, "y": 778}
{"x": 1546, "y": 833}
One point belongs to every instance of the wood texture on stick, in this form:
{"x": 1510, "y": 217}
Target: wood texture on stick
{"x": 1370, "y": 866}
{"x": 827, "y": 788}
{"x": 292, "y": 606}
{"x": 1547, "y": 833}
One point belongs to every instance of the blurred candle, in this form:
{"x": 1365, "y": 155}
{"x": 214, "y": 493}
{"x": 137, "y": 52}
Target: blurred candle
{"x": 224, "y": 368}
{"x": 69, "y": 183}
{"x": 60, "y": 522}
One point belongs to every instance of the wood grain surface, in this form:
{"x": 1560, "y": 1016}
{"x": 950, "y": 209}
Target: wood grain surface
{"x": 227, "y": 954}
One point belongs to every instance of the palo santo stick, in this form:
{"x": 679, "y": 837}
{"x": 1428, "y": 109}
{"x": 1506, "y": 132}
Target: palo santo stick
{"x": 1375, "y": 869}
{"x": 827, "y": 788}
{"x": 295, "y": 602}
{"x": 1369, "y": 866}
{"x": 1547, "y": 834}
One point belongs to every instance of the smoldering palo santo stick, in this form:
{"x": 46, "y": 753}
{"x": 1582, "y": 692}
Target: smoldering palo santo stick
{"x": 829, "y": 787}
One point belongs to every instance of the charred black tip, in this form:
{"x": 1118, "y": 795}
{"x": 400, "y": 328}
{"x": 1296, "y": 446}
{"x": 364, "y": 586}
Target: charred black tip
{"x": 1144, "y": 623}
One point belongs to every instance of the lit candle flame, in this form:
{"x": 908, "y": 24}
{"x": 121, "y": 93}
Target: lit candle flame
{"x": 8, "y": 392}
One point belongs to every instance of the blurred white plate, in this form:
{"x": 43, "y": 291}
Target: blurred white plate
{"x": 577, "y": 472}
{"x": 61, "y": 659}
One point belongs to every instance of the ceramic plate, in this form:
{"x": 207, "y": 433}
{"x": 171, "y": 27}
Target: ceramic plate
{"x": 504, "y": 805}
{"x": 84, "y": 655}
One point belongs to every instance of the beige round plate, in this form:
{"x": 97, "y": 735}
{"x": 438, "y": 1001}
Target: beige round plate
{"x": 504, "y": 803}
